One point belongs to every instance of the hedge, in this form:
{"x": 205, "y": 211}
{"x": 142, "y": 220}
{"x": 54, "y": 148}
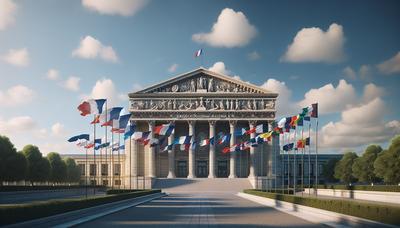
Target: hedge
{"x": 377, "y": 212}
{"x": 22, "y": 212}
{"x": 15, "y": 188}
{"x": 121, "y": 191}
{"x": 379, "y": 188}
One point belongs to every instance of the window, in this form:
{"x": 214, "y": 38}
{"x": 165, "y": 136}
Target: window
{"x": 104, "y": 169}
{"x": 105, "y": 182}
{"x": 117, "y": 182}
{"x": 82, "y": 169}
{"x": 117, "y": 169}
{"x": 92, "y": 170}
{"x": 312, "y": 169}
{"x": 299, "y": 169}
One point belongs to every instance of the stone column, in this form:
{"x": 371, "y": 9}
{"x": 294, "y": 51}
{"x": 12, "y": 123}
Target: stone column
{"x": 232, "y": 158}
{"x": 211, "y": 172}
{"x": 192, "y": 156}
{"x": 171, "y": 156}
{"x": 252, "y": 124}
{"x": 152, "y": 150}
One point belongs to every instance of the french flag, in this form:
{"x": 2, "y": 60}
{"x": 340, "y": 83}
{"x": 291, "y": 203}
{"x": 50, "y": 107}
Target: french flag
{"x": 184, "y": 139}
{"x": 198, "y": 53}
{"x": 138, "y": 135}
{"x": 91, "y": 106}
{"x": 119, "y": 125}
{"x": 225, "y": 138}
{"x": 164, "y": 129}
{"x": 111, "y": 114}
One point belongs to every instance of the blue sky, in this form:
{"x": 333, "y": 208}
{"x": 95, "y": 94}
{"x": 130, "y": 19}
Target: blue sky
{"x": 301, "y": 50}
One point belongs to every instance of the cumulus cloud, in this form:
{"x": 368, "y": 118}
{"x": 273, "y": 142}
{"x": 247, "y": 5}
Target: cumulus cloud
{"x": 253, "y": 56}
{"x": 105, "y": 88}
{"x": 16, "y": 124}
{"x": 364, "y": 73}
{"x": 16, "y": 95}
{"x": 58, "y": 129}
{"x": 331, "y": 99}
{"x": 17, "y": 57}
{"x": 219, "y": 67}
{"x": 173, "y": 68}
{"x": 315, "y": 45}
{"x": 390, "y": 66}
{"x": 232, "y": 29}
{"x": 284, "y": 105}
{"x": 350, "y": 73}
{"x": 360, "y": 125}
{"x": 91, "y": 48}
{"x": 115, "y": 7}
{"x": 52, "y": 74}
{"x": 7, "y": 13}
{"x": 371, "y": 91}
{"x": 72, "y": 83}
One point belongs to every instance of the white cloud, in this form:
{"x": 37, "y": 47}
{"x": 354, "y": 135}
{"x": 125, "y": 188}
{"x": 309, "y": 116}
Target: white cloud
{"x": 72, "y": 83}
{"x": 371, "y": 91}
{"x": 253, "y": 55}
{"x": 90, "y": 48}
{"x": 359, "y": 126}
{"x": 58, "y": 129}
{"x": 17, "y": 57}
{"x": 52, "y": 74}
{"x": 232, "y": 29}
{"x": 16, "y": 95}
{"x": 7, "y": 13}
{"x": 364, "y": 73}
{"x": 315, "y": 45}
{"x": 284, "y": 105}
{"x": 105, "y": 88}
{"x": 219, "y": 67}
{"x": 331, "y": 99}
{"x": 16, "y": 124}
{"x": 173, "y": 68}
{"x": 390, "y": 66}
{"x": 115, "y": 7}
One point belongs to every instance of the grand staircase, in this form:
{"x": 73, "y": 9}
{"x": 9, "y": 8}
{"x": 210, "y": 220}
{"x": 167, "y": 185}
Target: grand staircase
{"x": 221, "y": 185}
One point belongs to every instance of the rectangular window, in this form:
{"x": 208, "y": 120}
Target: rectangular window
{"x": 92, "y": 170}
{"x": 299, "y": 170}
{"x": 117, "y": 169}
{"x": 117, "y": 182}
{"x": 104, "y": 169}
{"x": 312, "y": 169}
{"x": 82, "y": 169}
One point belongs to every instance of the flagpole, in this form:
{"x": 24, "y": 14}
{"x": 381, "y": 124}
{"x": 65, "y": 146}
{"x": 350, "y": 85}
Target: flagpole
{"x": 86, "y": 174}
{"x": 130, "y": 161}
{"x": 294, "y": 162}
{"x": 283, "y": 165}
{"x": 105, "y": 133}
{"x": 119, "y": 160}
{"x": 94, "y": 159}
{"x": 288, "y": 161}
{"x": 112, "y": 160}
{"x": 302, "y": 159}
{"x": 316, "y": 159}
{"x": 309, "y": 159}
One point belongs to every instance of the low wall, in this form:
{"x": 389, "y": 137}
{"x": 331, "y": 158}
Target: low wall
{"x": 386, "y": 197}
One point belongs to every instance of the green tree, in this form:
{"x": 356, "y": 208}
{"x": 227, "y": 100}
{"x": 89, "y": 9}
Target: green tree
{"x": 38, "y": 167}
{"x": 12, "y": 164}
{"x": 387, "y": 165}
{"x": 363, "y": 167}
{"x": 73, "y": 171}
{"x": 328, "y": 170}
{"x": 58, "y": 169}
{"x": 343, "y": 169}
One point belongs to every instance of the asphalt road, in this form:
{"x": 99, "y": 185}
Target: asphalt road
{"x": 200, "y": 209}
{"x": 19, "y": 197}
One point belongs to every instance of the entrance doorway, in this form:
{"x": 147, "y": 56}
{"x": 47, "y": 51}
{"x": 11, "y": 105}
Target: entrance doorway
{"x": 182, "y": 170}
{"x": 222, "y": 169}
{"x": 201, "y": 169}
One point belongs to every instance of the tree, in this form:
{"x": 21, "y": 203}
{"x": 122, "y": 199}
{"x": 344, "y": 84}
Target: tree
{"x": 38, "y": 167}
{"x": 58, "y": 169}
{"x": 363, "y": 167}
{"x": 387, "y": 165}
{"x": 12, "y": 164}
{"x": 328, "y": 170}
{"x": 73, "y": 171}
{"x": 343, "y": 169}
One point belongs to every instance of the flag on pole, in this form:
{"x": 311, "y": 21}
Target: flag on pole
{"x": 130, "y": 129}
{"x": 183, "y": 139}
{"x": 260, "y": 128}
{"x": 224, "y": 139}
{"x": 110, "y": 115}
{"x": 198, "y": 53}
{"x": 251, "y": 130}
{"x": 307, "y": 141}
{"x": 301, "y": 143}
{"x": 240, "y": 132}
{"x": 164, "y": 129}
{"x": 91, "y": 106}
{"x": 282, "y": 123}
{"x": 138, "y": 135}
{"x": 81, "y": 136}
{"x": 120, "y": 124}
{"x": 168, "y": 147}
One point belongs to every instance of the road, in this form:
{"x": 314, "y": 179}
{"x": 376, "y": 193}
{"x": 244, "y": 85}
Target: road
{"x": 200, "y": 209}
{"x": 19, "y": 197}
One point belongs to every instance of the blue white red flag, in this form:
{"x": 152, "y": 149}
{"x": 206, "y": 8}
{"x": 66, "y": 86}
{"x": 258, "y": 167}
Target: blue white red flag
{"x": 111, "y": 114}
{"x": 119, "y": 125}
{"x": 91, "y": 106}
{"x": 198, "y": 53}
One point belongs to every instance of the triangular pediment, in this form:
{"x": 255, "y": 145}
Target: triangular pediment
{"x": 202, "y": 80}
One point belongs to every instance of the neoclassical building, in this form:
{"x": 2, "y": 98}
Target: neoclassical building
{"x": 202, "y": 104}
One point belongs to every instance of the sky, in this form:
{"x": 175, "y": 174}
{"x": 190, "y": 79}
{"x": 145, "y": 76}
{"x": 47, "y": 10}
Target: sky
{"x": 345, "y": 55}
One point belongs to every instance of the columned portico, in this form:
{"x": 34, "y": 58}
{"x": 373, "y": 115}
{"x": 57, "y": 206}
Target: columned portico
{"x": 232, "y": 158}
{"x": 211, "y": 172}
{"x": 204, "y": 105}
